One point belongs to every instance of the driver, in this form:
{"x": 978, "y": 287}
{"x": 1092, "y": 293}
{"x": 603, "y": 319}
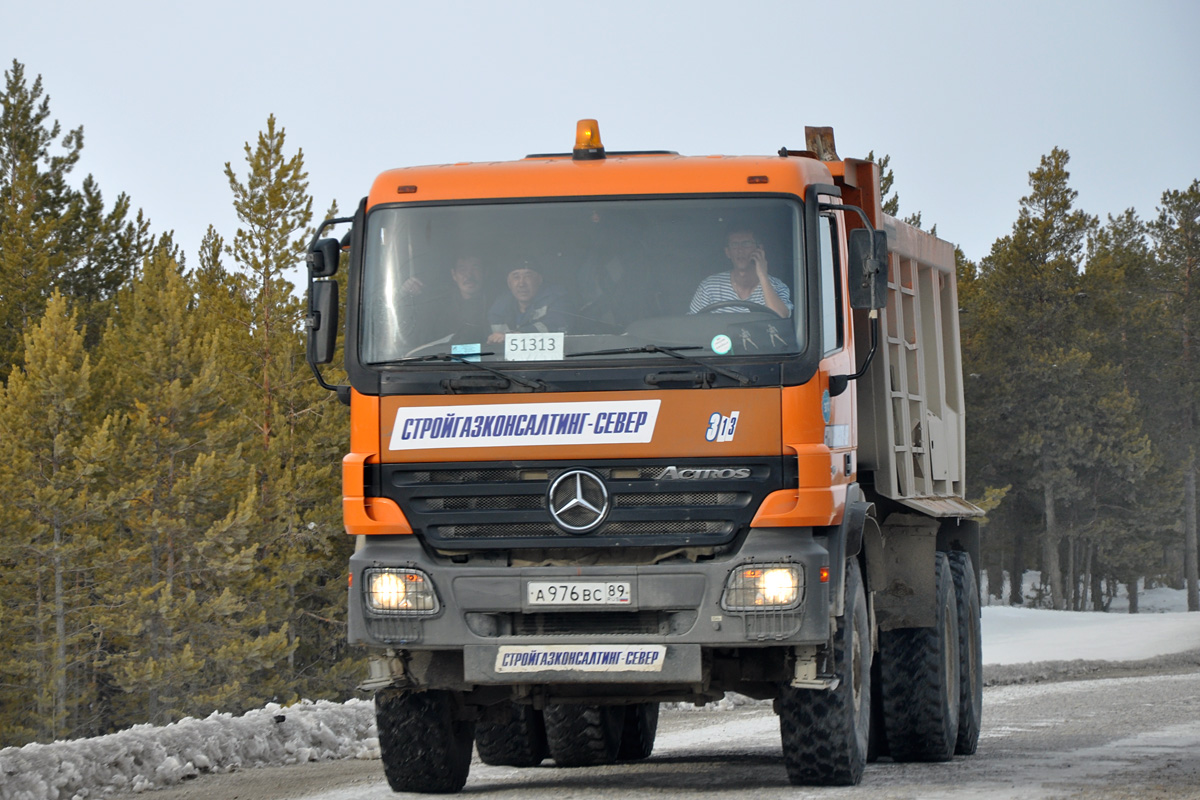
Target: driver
{"x": 747, "y": 280}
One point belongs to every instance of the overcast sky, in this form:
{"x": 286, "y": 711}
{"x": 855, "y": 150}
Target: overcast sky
{"x": 964, "y": 99}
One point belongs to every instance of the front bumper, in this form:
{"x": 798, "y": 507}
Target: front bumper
{"x": 483, "y": 612}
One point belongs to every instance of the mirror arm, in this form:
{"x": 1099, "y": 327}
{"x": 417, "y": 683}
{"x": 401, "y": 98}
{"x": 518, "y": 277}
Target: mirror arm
{"x": 856, "y": 209}
{"x": 326, "y": 224}
{"x": 321, "y": 378}
{"x": 838, "y": 383}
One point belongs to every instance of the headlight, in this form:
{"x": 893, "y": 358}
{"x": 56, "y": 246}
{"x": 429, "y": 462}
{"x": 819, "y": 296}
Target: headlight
{"x": 399, "y": 591}
{"x": 765, "y": 586}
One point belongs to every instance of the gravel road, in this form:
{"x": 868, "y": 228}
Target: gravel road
{"x": 1123, "y": 730}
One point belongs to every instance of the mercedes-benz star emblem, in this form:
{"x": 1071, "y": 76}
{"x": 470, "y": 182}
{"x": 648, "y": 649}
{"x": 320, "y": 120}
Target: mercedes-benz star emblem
{"x": 578, "y": 501}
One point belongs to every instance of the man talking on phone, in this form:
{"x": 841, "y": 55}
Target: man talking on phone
{"x": 747, "y": 281}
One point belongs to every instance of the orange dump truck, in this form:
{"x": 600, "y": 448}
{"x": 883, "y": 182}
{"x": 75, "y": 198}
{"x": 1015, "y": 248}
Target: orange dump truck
{"x": 631, "y": 428}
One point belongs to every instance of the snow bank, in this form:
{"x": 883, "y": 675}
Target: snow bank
{"x": 1023, "y": 635}
{"x": 146, "y": 756}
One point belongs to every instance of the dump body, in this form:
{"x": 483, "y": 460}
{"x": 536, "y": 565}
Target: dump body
{"x": 913, "y": 431}
{"x": 607, "y": 444}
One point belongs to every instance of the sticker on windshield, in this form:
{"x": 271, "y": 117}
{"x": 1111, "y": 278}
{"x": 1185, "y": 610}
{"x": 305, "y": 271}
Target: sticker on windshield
{"x": 469, "y": 351}
{"x": 542, "y": 346}
{"x": 721, "y": 344}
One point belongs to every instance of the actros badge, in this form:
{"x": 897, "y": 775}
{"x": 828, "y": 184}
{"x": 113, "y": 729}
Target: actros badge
{"x": 705, "y": 474}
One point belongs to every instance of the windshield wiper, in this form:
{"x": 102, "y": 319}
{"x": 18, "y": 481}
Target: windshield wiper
{"x": 673, "y": 352}
{"x": 537, "y": 385}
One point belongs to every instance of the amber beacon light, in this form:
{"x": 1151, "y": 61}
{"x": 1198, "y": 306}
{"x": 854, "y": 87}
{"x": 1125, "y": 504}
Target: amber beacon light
{"x": 587, "y": 141}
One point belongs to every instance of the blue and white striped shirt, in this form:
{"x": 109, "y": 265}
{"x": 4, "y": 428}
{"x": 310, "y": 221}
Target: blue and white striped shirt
{"x": 719, "y": 289}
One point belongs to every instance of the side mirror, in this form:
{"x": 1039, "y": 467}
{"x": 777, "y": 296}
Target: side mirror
{"x": 323, "y": 258}
{"x": 868, "y": 265}
{"x": 322, "y": 320}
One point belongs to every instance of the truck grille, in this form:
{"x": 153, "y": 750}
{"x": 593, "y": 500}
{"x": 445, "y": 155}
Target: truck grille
{"x": 583, "y": 623}
{"x": 504, "y": 531}
{"x": 487, "y": 506}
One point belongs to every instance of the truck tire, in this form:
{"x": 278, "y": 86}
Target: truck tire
{"x": 920, "y": 680}
{"x": 584, "y": 736}
{"x": 970, "y": 654}
{"x": 877, "y": 742}
{"x": 826, "y": 733}
{"x": 637, "y": 736}
{"x": 518, "y": 742}
{"x": 423, "y": 747}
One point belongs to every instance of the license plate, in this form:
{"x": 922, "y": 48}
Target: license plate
{"x": 578, "y": 593}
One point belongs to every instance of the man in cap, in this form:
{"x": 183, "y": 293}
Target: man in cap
{"x": 529, "y": 306}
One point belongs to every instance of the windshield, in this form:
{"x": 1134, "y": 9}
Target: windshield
{"x": 583, "y": 280}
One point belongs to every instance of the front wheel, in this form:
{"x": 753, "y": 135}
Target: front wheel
{"x": 825, "y": 732}
{"x": 423, "y": 746}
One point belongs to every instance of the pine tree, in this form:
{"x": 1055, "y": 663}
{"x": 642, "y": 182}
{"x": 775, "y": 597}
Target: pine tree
{"x": 185, "y": 545}
{"x": 1130, "y": 519}
{"x": 53, "y": 236}
{"x": 299, "y": 427}
{"x": 52, "y": 452}
{"x": 1045, "y": 411}
{"x": 102, "y": 250}
{"x": 1176, "y": 278}
{"x": 34, "y": 196}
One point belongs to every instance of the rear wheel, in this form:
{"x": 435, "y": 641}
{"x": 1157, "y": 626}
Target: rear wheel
{"x": 423, "y": 747}
{"x": 877, "y": 743}
{"x": 825, "y": 732}
{"x": 920, "y": 680}
{"x": 637, "y": 736}
{"x": 970, "y": 654}
{"x": 518, "y": 741}
{"x": 584, "y": 736}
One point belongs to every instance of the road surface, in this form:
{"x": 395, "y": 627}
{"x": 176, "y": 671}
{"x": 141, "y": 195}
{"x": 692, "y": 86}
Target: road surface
{"x": 1100, "y": 738}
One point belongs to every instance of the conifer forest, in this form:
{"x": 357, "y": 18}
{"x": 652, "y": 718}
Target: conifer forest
{"x": 172, "y": 540}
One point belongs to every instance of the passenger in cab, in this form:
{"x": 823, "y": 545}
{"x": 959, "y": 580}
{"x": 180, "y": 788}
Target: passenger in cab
{"x": 529, "y": 305}
{"x": 748, "y": 280}
{"x": 458, "y": 312}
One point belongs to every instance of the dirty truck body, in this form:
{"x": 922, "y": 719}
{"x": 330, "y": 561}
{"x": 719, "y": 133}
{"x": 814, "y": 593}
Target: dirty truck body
{"x": 616, "y": 490}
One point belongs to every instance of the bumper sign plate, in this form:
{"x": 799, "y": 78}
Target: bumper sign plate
{"x": 514, "y": 659}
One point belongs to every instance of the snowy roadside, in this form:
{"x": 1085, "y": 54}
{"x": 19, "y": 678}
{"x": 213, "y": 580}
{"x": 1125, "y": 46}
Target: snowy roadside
{"x": 1187, "y": 662}
{"x": 1029, "y": 645}
{"x": 147, "y": 757}
{"x": 1019, "y": 645}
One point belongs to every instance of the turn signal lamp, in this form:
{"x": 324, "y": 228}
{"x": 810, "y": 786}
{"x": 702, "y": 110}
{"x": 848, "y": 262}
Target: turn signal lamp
{"x": 399, "y": 591}
{"x": 588, "y": 146}
{"x": 763, "y": 587}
